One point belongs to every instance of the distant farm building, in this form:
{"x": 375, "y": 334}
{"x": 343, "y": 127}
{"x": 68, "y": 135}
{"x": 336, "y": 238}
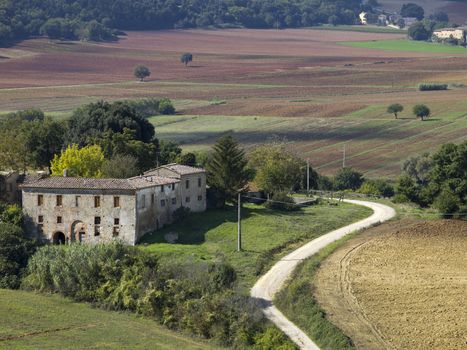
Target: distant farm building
{"x": 444, "y": 34}
{"x": 363, "y": 19}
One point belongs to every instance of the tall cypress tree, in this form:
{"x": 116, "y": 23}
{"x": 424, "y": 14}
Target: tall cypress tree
{"x": 227, "y": 170}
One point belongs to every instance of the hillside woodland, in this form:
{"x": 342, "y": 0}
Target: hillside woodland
{"x": 104, "y": 20}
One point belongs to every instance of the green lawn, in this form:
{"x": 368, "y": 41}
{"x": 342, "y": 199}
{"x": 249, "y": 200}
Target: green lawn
{"x": 408, "y": 45}
{"x": 209, "y": 235}
{"x": 34, "y": 321}
{"x": 361, "y": 28}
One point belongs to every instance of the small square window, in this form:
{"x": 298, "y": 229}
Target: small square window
{"x": 187, "y": 199}
{"x": 116, "y": 202}
{"x": 40, "y": 228}
{"x": 97, "y": 202}
{"x": 173, "y": 187}
{"x": 174, "y": 201}
{"x": 115, "y": 231}
{"x": 40, "y": 200}
{"x": 200, "y": 198}
{"x": 116, "y": 221}
{"x": 40, "y": 219}
{"x": 199, "y": 182}
{"x": 59, "y": 219}
{"x": 97, "y": 220}
{"x": 162, "y": 202}
{"x": 187, "y": 184}
{"x": 59, "y": 200}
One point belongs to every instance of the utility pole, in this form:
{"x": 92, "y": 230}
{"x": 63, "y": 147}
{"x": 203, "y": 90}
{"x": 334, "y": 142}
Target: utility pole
{"x": 308, "y": 175}
{"x": 239, "y": 232}
{"x": 343, "y": 157}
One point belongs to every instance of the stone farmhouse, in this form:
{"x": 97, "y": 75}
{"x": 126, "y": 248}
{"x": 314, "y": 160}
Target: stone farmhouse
{"x": 66, "y": 209}
{"x": 451, "y": 33}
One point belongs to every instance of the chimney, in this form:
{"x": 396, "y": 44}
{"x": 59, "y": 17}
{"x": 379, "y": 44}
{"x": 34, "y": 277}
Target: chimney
{"x": 65, "y": 172}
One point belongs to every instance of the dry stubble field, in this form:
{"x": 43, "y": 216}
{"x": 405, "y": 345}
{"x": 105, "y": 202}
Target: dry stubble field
{"x": 301, "y": 85}
{"x": 402, "y": 285}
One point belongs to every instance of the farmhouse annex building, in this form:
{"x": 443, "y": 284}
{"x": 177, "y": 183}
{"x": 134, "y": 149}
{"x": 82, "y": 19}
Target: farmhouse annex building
{"x": 67, "y": 209}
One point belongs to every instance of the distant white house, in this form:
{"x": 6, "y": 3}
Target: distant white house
{"x": 459, "y": 34}
{"x": 363, "y": 19}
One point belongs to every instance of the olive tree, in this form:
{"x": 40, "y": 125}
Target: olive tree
{"x": 141, "y": 72}
{"x": 421, "y": 111}
{"x": 186, "y": 58}
{"x": 395, "y": 109}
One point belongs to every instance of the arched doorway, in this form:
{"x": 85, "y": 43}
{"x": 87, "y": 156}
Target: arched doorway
{"x": 78, "y": 232}
{"x": 58, "y": 238}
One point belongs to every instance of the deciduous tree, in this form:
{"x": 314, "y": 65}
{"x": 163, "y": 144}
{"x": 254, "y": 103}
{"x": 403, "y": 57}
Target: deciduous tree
{"x": 141, "y": 72}
{"x": 395, "y": 109}
{"x": 421, "y": 111}
{"x": 84, "y": 162}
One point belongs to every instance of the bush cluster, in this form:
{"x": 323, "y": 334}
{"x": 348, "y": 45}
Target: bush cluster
{"x": 282, "y": 201}
{"x": 195, "y": 297}
{"x": 432, "y": 86}
{"x": 438, "y": 180}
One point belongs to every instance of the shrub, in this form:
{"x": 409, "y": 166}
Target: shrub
{"x": 181, "y": 214}
{"x": 198, "y": 297}
{"x": 281, "y": 201}
{"x": 166, "y": 107}
{"x": 377, "y": 188}
{"x": 432, "y": 86}
{"x": 447, "y": 203}
{"x": 15, "y": 250}
{"x": 348, "y": 179}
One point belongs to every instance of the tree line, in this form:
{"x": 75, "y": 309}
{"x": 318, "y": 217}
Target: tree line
{"x": 104, "y": 20}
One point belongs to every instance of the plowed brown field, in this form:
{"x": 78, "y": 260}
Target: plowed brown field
{"x": 325, "y": 94}
{"x": 401, "y": 285}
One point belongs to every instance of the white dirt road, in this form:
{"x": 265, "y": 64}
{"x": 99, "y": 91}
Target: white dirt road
{"x": 269, "y": 284}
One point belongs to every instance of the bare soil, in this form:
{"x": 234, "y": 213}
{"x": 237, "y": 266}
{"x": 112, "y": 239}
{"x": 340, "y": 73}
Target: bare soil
{"x": 401, "y": 285}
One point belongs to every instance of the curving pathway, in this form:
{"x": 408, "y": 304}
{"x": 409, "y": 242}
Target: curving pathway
{"x": 269, "y": 284}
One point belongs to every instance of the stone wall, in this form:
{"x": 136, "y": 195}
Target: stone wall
{"x": 78, "y": 214}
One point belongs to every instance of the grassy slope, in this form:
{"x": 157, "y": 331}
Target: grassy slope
{"x": 52, "y": 322}
{"x": 205, "y": 236}
{"x": 408, "y": 45}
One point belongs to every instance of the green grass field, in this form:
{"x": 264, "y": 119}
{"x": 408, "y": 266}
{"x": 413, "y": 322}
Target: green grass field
{"x": 34, "y": 321}
{"x": 213, "y": 234}
{"x": 361, "y": 28}
{"x": 408, "y": 45}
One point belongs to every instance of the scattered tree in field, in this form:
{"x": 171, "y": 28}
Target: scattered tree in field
{"x": 348, "y": 179}
{"x": 84, "y": 162}
{"x": 421, "y": 111}
{"x": 395, "y": 109}
{"x": 141, "y": 72}
{"x": 227, "y": 170}
{"x": 277, "y": 169}
{"x": 186, "y": 58}
{"x": 412, "y": 10}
